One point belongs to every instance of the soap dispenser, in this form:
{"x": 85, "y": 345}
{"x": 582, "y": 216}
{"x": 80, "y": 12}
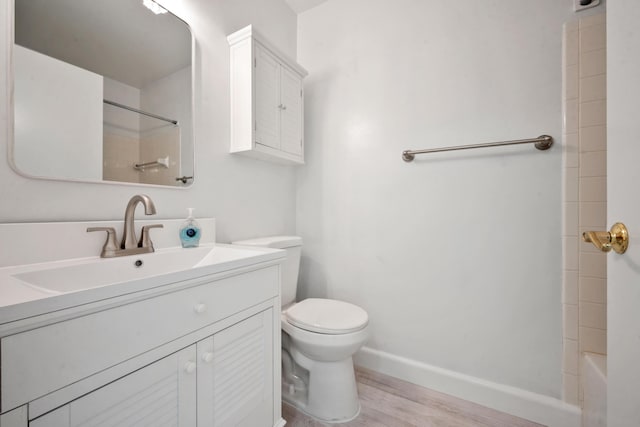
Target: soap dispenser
{"x": 190, "y": 232}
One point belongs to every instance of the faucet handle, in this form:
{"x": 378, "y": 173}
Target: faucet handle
{"x": 110, "y": 246}
{"x": 145, "y": 240}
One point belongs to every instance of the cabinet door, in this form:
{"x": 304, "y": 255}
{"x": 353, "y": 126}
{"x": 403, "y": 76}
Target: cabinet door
{"x": 235, "y": 375}
{"x": 267, "y": 98}
{"x": 161, "y": 394}
{"x": 15, "y": 418}
{"x": 292, "y": 111}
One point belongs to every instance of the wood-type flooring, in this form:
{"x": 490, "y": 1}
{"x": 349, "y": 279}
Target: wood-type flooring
{"x": 389, "y": 402}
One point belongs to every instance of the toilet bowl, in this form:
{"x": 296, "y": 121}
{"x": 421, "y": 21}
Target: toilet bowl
{"x": 321, "y": 335}
{"x": 319, "y": 338}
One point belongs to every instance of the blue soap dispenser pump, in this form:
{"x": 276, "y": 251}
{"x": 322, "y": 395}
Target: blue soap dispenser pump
{"x": 190, "y": 232}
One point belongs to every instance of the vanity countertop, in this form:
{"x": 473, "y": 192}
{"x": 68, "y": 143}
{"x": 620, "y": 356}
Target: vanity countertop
{"x": 116, "y": 279}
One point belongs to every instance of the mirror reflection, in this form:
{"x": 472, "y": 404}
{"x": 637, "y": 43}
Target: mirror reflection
{"x": 102, "y": 92}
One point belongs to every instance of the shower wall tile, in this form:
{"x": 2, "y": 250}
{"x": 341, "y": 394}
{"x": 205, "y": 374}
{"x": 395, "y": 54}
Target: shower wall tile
{"x": 571, "y": 116}
{"x": 120, "y": 152}
{"x": 593, "y": 63}
{"x": 593, "y": 340}
{"x": 572, "y": 82}
{"x": 585, "y": 195}
{"x": 593, "y": 163}
{"x": 570, "y": 216}
{"x": 570, "y": 389}
{"x": 570, "y": 287}
{"x": 570, "y": 363}
{"x": 593, "y": 265}
{"x": 570, "y": 321}
{"x": 593, "y": 189}
{"x": 593, "y": 88}
{"x": 593, "y": 138}
{"x": 592, "y": 315}
{"x": 593, "y": 113}
{"x": 571, "y": 189}
{"x": 592, "y": 289}
{"x": 599, "y": 19}
{"x": 571, "y": 150}
{"x": 570, "y": 252}
{"x": 572, "y": 46}
{"x": 593, "y": 215}
{"x": 593, "y": 37}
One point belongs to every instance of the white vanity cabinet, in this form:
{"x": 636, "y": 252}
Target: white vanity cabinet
{"x": 223, "y": 380}
{"x": 200, "y": 352}
{"x": 267, "y": 100}
{"x": 161, "y": 394}
{"x": 235, "y": 374}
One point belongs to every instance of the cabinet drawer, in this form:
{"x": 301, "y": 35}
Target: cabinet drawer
{"x": 43, "y": 360}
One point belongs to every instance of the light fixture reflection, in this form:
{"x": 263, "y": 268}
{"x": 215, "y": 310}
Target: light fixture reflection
{"x": 154, "y": 7}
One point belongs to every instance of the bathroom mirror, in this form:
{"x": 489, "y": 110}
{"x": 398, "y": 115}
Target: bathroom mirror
{"x": 102, "y": 92}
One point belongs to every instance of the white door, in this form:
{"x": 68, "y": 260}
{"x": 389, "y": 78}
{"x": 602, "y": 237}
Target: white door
{"x": 623, "y": 177}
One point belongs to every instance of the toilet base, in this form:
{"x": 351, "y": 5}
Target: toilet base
{"x": 299, "y": 408}
{"x": 332, "y": 393}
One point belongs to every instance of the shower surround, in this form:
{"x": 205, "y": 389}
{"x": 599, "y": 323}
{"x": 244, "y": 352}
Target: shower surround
{"x": 584, "y": 197}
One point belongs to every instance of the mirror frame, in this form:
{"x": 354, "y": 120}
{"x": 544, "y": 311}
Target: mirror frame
{"x": 10, "y": 20}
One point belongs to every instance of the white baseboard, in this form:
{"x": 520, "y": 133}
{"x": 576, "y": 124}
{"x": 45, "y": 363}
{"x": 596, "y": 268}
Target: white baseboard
{"x": 521, "y": 403}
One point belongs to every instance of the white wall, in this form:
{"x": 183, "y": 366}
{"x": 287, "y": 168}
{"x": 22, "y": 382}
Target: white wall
{"x": 248, "y": 197}
{"x": 58, "y": 116}
{"x": 120, "y": 133}
{"x": 457, "y": 256}
{"x": 119, "y": 119}
{"x": 166, "y": 97}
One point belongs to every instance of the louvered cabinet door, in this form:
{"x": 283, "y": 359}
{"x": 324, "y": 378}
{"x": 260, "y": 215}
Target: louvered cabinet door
{"x": 235, "y": 375}
{"x": 162, "y": 394}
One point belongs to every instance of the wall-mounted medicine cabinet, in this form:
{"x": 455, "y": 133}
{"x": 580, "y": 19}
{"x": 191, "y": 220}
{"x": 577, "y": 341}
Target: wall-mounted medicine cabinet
{"x": 267, "y": 100}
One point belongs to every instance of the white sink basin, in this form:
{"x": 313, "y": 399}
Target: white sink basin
{"x": 94, "y": 273}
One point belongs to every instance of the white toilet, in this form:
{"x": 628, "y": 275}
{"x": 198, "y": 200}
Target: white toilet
{"x": 319, "y": 336}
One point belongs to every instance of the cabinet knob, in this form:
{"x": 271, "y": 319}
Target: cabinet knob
{"x": 200, "y": 308}
{"x": 207, "y": 357}
{"x": 189, "y": 367}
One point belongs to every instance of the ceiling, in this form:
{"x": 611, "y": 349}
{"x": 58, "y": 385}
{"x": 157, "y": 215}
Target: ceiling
{"x": 119, "y": 39}
{"x": 300, "y": 6}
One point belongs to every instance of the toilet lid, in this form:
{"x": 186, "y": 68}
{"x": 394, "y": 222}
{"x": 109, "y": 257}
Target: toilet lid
{"x": 327, "y": 316}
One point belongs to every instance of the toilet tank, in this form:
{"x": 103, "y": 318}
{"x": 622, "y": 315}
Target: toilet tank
{"x": 290, "y": 267}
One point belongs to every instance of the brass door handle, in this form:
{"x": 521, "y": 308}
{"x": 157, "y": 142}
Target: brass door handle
{"x": 617, "y": 238}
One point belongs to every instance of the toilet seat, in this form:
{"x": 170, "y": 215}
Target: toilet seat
{"x": 327, "y": 316}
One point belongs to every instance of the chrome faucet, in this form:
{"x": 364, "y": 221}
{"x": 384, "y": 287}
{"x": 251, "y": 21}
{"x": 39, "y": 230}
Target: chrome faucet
{"x": 129, "y": 244}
